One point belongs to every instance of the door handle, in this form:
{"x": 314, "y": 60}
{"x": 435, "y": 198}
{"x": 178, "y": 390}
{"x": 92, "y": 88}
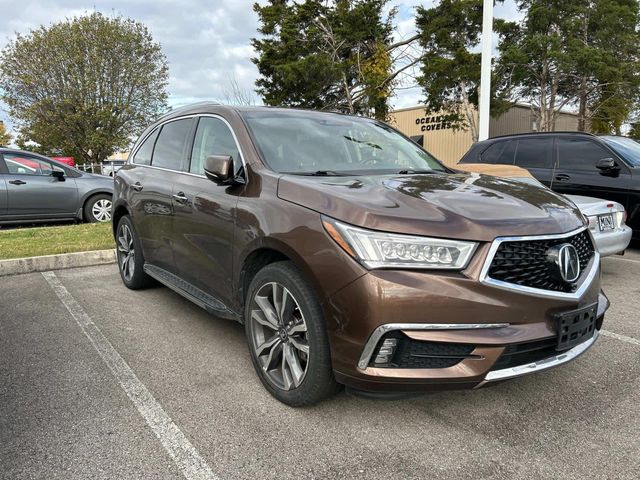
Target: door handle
{"x": 17, "y": 182}
{"x": 137, "y": 186}
{"x": 180, "y": 197}
{"x": 563, "y": 177}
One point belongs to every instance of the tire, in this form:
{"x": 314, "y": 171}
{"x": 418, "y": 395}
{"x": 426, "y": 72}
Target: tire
{"x": 129, "y": 256}
{"x": 277, "y": 341}
{"x": 98, "y": 209}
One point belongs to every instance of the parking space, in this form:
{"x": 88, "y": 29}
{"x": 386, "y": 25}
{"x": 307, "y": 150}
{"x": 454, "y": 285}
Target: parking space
{"x": 66, "y": 412}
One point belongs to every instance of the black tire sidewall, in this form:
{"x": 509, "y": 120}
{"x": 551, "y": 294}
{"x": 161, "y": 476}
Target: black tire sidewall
{"x": 88, "y": 207}
{"x": 319, "y": 381}
{"x": 139, "y": 278}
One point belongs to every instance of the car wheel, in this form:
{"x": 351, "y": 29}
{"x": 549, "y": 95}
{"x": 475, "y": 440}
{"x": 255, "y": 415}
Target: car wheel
{"x": 98, "y": 209}
{"x": 287, "y": 337}
{"x": 129, "y": 255}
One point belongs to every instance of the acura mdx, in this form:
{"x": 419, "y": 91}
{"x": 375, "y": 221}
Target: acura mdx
{"x": 351, "y": 255}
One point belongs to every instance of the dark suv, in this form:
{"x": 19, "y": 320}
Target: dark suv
{"x": 574, "y": 163}
{"x": 351, "y": 255}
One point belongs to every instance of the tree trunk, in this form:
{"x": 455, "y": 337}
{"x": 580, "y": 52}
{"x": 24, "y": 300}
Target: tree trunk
{"x": 582, "y": 109}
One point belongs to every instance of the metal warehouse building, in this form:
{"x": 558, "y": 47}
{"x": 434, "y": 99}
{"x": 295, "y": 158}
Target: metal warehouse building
{"x": 448, "y": 145}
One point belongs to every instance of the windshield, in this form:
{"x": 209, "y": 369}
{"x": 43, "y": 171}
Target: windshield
{"x": 625, "y": 147}
{"x": 331, "y": 144}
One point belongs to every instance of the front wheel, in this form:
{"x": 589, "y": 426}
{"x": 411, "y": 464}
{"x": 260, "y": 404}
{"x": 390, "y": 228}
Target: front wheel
{"x": 98, "y": 209}
{"x": 287, "y": 337}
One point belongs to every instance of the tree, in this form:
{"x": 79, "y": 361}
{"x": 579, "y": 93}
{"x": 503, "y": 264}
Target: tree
{"x": 5, "y": 136}
{"x": 334, "y": 55}
{"x": 580, "y": 53}
{"x": 84, "y": 87}
{"x": 450, "y": 65}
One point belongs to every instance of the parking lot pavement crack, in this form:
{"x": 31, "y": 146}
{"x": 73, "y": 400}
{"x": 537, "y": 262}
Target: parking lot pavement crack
{"x": 623, "y": 338}
{"x": 179, "y": 448}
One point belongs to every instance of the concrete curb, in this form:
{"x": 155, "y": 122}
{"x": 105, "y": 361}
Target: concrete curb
{"x": 15, "y": 266}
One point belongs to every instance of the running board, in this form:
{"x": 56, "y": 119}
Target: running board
{"x": 190, "y": 292}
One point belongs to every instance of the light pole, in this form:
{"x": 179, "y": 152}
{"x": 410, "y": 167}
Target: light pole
{"x": 485, "y": 69}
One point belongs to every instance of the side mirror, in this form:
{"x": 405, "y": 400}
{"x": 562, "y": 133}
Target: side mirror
{"x": 606, "y": 164}
{"x": 218, "y": 168}
{"x": 59, "y": 174}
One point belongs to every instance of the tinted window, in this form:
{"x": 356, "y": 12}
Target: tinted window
{"x": 213, "y": 137}
{"x": 26, "y": 165}
{"x": 169, "y": 149}
{"x": 626, "y": 147}
{"x": 499, "y": 153}
{"x": 580, "y": 153}
{"x": 535, "y": 153}
{"x": 143, "y": 155}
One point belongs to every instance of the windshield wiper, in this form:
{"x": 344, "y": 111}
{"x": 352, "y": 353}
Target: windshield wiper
{"x": 318, "y": 173}
{"x": 411, "y": 172}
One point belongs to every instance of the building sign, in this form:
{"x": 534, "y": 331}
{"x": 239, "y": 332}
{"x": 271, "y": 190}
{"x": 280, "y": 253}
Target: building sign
{"x": 430, "y": 123}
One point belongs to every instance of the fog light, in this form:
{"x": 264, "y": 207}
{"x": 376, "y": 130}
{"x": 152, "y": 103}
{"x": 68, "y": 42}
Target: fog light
{"x": 385, "y": 352}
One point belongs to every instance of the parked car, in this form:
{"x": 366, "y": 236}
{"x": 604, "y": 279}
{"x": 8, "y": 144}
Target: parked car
{"x": 66, "y": 160}
{"x": 110, "y": 167}
{"x": 351, "y": 255}
{"x": 606, "y": 218}
{"x": 572, "y": 163}
{"x": 34, "y": 188}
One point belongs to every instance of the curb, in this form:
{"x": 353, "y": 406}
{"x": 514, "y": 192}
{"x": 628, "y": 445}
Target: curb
{"x": 16, "y": 266}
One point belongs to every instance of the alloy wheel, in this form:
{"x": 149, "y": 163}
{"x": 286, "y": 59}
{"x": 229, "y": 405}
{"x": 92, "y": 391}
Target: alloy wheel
{"x": 126, "y": 252}
{"x": 101, "y": 210}
{"x": 279, "y": 336}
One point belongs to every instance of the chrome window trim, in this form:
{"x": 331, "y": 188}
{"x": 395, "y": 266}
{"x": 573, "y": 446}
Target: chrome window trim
{"x": 541, "y": 365}
{"x": 377, "y": 334}
{"x": 588, "y": 277}
{"x": 192, "y": 115}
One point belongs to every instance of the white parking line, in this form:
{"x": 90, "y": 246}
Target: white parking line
{"x": 617, "y": 336}
{"x": 176, "y": 444}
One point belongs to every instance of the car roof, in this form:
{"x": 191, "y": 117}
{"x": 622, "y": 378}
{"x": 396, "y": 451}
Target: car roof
{"x": 539, "y": 134}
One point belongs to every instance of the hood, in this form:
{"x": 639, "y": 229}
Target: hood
{"x": 462, "y": 206}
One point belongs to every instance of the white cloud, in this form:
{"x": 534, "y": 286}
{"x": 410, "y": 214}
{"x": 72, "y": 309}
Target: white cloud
{"x": 207, "y": 43}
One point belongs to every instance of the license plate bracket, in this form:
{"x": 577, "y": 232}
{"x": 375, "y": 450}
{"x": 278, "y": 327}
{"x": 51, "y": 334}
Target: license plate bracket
{"x": 605, "y": 222}
{"x": 576, "y": 326}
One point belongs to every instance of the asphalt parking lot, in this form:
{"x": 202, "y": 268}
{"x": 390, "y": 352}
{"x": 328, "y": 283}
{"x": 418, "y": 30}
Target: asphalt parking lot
{"x": 97, "y": 381}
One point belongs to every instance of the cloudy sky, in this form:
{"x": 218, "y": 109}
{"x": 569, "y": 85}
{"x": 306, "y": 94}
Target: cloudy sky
{"x": 206, "y": 42}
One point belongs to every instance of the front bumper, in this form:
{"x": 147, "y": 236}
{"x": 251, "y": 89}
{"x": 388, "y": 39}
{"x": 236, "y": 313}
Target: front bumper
{"x": 446, "y": 308}
{"x": 615, "y": 241}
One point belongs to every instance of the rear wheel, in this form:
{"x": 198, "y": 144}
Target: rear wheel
{"x": 129, "y": 255}
{"x": 287, "y": 336}
{"x": 98, "y": 209}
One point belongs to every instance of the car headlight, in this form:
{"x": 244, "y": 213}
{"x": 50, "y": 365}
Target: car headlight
{"x": 390, "y": 250}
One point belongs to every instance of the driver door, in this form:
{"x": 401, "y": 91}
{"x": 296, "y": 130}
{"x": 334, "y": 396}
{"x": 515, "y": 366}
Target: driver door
{"x": 32, "y": 190}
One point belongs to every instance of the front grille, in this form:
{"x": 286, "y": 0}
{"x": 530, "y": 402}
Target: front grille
{"x": 525, "y": 262}
{"x": 529, "y": 352}
{"x": 418, "y": 354}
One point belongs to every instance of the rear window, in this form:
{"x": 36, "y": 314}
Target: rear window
{"x": 143, "y": 155}
{"x": 535, "y": 153}
{"x": 500, "y": 153}
{"x": 169, "y": 151}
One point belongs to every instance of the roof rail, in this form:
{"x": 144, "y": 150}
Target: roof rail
{"x": 561, "y": 132}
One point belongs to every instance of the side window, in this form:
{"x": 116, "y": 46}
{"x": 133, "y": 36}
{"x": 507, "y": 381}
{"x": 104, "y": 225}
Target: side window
{"x": 143, "y": 155}
{"x": 169, "y": 149}
{"x": 26, "y": 165}
{"x": 499, "y": 153}
{"x": 580, "y": 153}
{"x": 213, "y": 137}
{"x": 535, "y": 153}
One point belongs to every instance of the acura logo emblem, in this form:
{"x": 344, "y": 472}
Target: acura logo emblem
{"x": 566, "y": 259}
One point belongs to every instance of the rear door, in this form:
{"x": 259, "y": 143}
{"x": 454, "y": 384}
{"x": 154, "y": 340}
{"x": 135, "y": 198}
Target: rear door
{"x": 535, "y": 153}
{"x": 576, "y": 172}
{"x": 204, "y": 213}
{"x": 3, "y": 189}
{"x": 153, "y": 170}
{"x": 32, "y": 190}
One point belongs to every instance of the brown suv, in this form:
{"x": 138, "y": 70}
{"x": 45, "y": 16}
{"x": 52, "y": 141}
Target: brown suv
{"x": 351, "y": 255}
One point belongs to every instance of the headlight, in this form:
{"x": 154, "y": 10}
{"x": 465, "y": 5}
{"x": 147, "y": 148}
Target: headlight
{"x": 389, "y": 250}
